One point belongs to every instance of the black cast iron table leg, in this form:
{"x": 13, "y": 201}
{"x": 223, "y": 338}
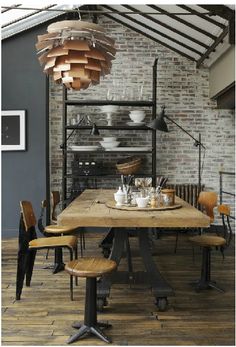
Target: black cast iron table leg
{"x": 104, "y": 284}
{"x": 106, "y": 243}
{"x": 160, "y": 288}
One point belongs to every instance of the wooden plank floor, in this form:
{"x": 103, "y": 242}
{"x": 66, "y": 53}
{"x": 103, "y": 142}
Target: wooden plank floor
{"x": 45, "y": 313}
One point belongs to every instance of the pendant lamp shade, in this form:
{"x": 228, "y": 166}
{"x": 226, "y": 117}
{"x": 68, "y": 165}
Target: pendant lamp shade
{"x": 76, "y": 53}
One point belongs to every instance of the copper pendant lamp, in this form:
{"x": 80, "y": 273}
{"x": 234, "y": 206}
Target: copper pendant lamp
{"x": 76, "y": 53}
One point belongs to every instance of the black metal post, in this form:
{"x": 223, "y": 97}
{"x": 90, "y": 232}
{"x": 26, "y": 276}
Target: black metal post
{"x": 154, "y": 108}
{"x": 199, "y": 162}
{"x": 90, "y": 314}
{"x": 64, "y": 141}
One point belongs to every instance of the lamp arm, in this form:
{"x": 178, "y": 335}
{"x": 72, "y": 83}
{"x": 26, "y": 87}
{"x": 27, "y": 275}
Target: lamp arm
{"x": 198, "y": 143}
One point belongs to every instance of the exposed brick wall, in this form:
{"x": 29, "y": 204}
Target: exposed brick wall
{"x": 184, "y": 90}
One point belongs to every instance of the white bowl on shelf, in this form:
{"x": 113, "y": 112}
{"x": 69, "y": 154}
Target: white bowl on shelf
{"x": 109, "y": 139}
{"x": 137, "y": 117}
{"x": 109, "y": 144}
{"x": 137, "y": 111}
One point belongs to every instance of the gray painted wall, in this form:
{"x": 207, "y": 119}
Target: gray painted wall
{"x": 24, "y": 87}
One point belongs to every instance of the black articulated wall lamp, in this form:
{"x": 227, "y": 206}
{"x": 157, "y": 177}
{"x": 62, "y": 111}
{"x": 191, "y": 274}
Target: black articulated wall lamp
{"x": 159, "y": 124}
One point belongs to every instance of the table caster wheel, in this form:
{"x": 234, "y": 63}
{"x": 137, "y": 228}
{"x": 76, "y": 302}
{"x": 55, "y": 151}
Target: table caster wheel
{"x": 162, "y": 304}
{"x": 101, "y": 302}
{"x": 106, "y": 252}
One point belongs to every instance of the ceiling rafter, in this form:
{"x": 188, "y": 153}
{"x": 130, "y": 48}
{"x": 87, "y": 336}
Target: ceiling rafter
{"x": 27, "y": 16}
{"x": 156, "y": 31}
{"x": 193, "y": 31}
{"x": 219, "y": 10}
{"x": 148, "y": 36}
{"x": 213, "y": 46}
{"x": 180, "y": 20}
{"x": 226, "y": 13}
{"x": 203, "y": 16}
{"x": 156, "y": 21}
{"x": 8, "y": 9}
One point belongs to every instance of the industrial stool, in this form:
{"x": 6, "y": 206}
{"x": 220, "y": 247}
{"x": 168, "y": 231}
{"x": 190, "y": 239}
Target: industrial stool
{"x": 90, "y": 268}
{"x": 206, "y": 242}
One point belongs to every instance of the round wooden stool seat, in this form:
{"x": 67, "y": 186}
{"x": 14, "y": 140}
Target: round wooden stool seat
{"x": 58, "y": 229}
{"x": 90, "y": 267}
{"x": 208, "y": 240}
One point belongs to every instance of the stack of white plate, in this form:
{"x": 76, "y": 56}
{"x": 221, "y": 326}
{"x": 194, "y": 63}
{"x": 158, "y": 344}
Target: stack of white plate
{"x": 109, "y": 142}
{"x": 137, "y": 117}
{"x": 83, "y": 148}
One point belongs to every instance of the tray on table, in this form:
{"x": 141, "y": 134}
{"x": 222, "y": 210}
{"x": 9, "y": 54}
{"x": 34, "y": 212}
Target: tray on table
{"x": 112, "y": 204}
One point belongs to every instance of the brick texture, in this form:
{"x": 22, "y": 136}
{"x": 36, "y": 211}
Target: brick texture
{"x": 181, "y": 87}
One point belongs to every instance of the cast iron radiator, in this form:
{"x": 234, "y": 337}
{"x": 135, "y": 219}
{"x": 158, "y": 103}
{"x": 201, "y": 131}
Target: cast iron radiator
{"x": 188, "y": 192}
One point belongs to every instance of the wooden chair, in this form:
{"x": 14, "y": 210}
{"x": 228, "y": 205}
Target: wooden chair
{"x": 29, "y": 244}
{"x": 207, "y": 201}
{"x": 54, "y": 230}
{"x": 207, "y": 241}
{"x": 90, "y": 268}
{"x": 55, "y": 201}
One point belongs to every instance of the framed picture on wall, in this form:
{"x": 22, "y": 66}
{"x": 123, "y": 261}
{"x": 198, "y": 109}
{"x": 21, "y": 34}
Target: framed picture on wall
{"x": 13, "y": 131}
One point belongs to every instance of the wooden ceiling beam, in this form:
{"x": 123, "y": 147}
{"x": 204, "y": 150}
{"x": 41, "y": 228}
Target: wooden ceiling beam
{"x": 156, "y": 31}
{"x": 226, "y": 13}
{"x": 180, "y": 20}
{"x": 148, "y": 36}
{"x": 203, "y": 16}
{"x": 219, "y": 10}
{"x": 163, "y": 24}
{"x": 8, "y": 9}
{"x": 213, "y": 46}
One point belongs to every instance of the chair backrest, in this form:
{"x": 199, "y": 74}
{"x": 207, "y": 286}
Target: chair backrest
{"x": 40, "y": 220}
{"x": 224, "y": 211}
{"x": 55, "y": 199}
{"x": 28, "y": 214}
{"x": 208, "y": 200}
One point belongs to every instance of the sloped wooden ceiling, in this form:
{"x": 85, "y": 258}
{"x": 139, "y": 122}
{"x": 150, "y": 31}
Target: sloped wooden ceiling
{"x": 201, "y": 33}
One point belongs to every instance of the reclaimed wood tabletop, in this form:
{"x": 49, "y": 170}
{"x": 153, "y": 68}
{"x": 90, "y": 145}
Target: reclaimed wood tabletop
{"x": 90, "y": 210}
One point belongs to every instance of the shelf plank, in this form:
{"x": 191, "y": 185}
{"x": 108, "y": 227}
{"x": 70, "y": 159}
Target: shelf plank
{"x": 104, "y": 127}
{"x": 102, "y": 152}
{"x": 109, "y": 102}
{"x": 104, "y": 176}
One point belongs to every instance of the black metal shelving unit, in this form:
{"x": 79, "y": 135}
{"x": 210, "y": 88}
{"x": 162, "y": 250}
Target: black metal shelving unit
{"x": 66, "y": 128}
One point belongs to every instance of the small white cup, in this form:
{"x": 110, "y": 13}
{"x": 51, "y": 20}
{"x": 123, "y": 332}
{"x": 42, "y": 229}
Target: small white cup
{"x": 119, "y": 198}
{"x": 142, "y": 202}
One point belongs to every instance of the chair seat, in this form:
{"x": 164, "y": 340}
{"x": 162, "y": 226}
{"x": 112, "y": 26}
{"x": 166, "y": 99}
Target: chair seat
{"x": 58, "y": 229}
{"x": 57, "y": 241}
{"x": 208, "y": 240}
{"x": 90, "y": 267}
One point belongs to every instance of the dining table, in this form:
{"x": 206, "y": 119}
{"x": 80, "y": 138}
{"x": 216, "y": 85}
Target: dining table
{"x": 96, "y": 208}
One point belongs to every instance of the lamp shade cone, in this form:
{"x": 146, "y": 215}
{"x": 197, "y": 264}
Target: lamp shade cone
{"x": 159, "y": 122}
{"x": 94, "y": 130}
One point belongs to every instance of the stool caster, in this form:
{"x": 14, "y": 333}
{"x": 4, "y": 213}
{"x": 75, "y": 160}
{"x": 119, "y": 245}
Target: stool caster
{"x": 106, "y": 251}
{"x": 162, "y": 304}
{"x": 101, "y": 302}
